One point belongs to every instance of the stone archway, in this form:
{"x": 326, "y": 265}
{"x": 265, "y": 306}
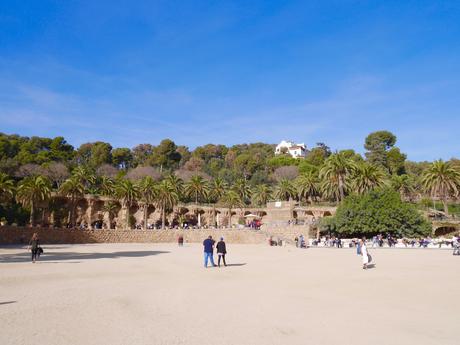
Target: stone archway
{"x": 446, "y": 230}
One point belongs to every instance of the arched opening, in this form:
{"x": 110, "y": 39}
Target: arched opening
{"x": 445, "y": 230}
{"x": 97, "y": 221}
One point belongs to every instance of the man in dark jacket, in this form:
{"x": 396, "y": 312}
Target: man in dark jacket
{"x": 208, "y": 251}
{"x": 221, "y": 251}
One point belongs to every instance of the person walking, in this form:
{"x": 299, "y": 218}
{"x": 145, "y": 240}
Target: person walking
{"x": 34, "y": 245}
{"x": 364, "y": 253}
{"x": 208, "y": 245}
{"x": 221, "y": 251}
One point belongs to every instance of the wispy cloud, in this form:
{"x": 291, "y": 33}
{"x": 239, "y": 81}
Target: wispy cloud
{"x": 126, "y": 116}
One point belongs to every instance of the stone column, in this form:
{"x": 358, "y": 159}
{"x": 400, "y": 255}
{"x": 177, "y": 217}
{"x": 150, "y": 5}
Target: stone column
{"x": 89, "y": 213}
{"x": 123, "y": 220}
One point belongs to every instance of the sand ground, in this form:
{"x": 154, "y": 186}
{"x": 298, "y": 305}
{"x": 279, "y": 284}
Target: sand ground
{"x": 160, "y": 294}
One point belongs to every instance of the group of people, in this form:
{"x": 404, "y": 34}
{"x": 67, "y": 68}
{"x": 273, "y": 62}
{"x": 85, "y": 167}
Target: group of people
{"x": 254, "y": 224}
{"x": 300, "y": 242}
{"x": 328, "y": 241}
{"x": 221, "y": 248}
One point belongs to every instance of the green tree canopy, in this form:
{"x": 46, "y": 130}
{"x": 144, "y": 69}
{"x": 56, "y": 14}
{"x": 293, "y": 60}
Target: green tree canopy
{"x": 94, "y": 154}
{"x": 379, "y": 211}
{"x": 122, "y": 158}
{"x": 377, "y": 145}
{"x": 6, "y": 187}
{"x": 165, "y": 155}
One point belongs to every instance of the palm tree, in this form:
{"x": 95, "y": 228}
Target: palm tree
{"x": 442, "y": 181}
{"x": 106, "y": 186}
{"x": 127, "y": 193}
{"x": 366, "y": 177}
{"x": 74, "y": 189}
{"x": 166, "y": 198}
{"x": 231, "y": 200}
{"x": 197, "y": 188}
{"x": 177, "y": 184}
{"x": 330, "y": 188}
{"x": 402, "y": 184}
{"x": 261, "y": 194}
{"x": 31, "y": 191}
{"x": 285, "y": 190}
{"x": 6, "y": 187}
{"x": 110, "y": 208}
{"x": 148, "y": 192}
{"x": 242, "y": 188}
{"x": 217, "y": 189}
{"x": 335, "y": 174}
{"x": 307, "y": 186}
{"x": 85, "y": 175}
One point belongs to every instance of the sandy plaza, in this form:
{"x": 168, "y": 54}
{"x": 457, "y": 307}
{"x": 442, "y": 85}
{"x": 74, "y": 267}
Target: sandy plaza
{"x": 161, "y": 294}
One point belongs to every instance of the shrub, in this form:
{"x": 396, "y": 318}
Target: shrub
{"x": 379, "y": 211}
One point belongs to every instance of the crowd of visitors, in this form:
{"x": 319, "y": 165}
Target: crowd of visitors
{"x": 328, "y": 241}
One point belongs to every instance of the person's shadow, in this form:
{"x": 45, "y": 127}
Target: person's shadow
{"x": 70, "y": 256}
{"x": 370, "y": 266}
{"x": 236, "y": 265}
{"x": 9, "y": 302}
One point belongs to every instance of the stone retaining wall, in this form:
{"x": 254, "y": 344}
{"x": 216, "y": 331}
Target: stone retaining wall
{"x": 55, "y": 236}
{"x": 21, "y": 235}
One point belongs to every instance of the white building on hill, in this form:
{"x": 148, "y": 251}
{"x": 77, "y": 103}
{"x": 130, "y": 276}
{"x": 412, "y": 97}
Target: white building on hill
{"x": 295, "y": 150}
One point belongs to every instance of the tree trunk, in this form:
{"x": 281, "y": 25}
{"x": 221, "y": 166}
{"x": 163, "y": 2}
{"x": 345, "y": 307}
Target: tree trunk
{"x": 341, "y": 191}
{"x": 230, "y": 218}
{"x": 72, "y": 216}
{"x": 128, "y": 225}
{"x": 446, "y": 208}
{"x": 146, "y": 208}
{"x": 52, "y": 220}
{"x": 109, "y": 217}
{"x": 163, "y": 218}
{"x": 32, "y": 214}
{"x": 214, "y": 215}
{"x": 43, "y": 217}
{"x": 72, "y": 212}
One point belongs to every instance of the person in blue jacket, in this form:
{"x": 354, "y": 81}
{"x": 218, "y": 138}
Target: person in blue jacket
{"x": 208, "y": 245}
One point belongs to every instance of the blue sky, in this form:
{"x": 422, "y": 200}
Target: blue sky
{"x": 198, "y": 72}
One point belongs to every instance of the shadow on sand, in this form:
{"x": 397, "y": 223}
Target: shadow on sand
{"x": 9, "y": 302}
{"x": 230, "y": 265}
{"x": 63, "y": 256}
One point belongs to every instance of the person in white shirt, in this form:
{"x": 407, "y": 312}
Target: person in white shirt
{"x": 364, "y": 253}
